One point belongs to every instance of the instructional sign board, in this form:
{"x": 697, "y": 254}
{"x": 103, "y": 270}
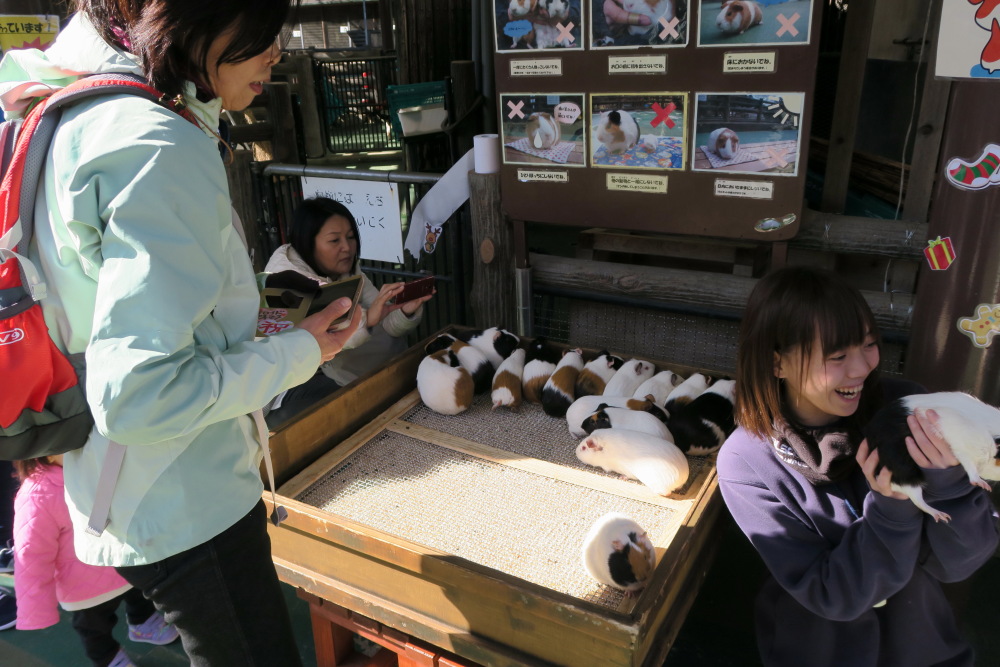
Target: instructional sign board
{"x": 375, "y": 206}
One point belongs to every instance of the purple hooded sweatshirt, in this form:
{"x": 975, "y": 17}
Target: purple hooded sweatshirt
{"x": 836, "y": 551}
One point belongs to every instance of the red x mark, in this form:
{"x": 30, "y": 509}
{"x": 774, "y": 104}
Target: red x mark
{"x": 564, "y": 33}
{"x": 776, "y": 159}
{"x": 515, "y": 109}
{"x": 663, "y": 114}
{"x": 669, "y": 27}
{"x": 788, "y": 25}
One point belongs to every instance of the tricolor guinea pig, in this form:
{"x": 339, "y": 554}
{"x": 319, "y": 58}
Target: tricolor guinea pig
{"x": 686, "y": 392}
{"x": 476, "y": 363}
{"x": 539, "y": 364}
{"x": 623, "y": 418}
{"x": 970, "y": 427}
{"x": 724, "y": 142}
{"x": 617, "y": 130}
{"x": 557, "y": 393}
{"x": 495, "y": 343}
{"x": 520, "y": 9}
{"x": 443, "y": 384}
{"x": 738, "y": 15}
{"x": 659, "y": 386}
{"x": 654, "y": 9}
{"x": 617, "y": 552}
{"x": 542, "y": 130}
{"x": 585, "y": 406}
{"x": 702, "y": 426}
{"x": 655, "y": 462}
{"x": 628, "y": 378}
{"x": 507, "y": 381}
{"x": 439, "y": 342}
{"x": 596, "y": 373}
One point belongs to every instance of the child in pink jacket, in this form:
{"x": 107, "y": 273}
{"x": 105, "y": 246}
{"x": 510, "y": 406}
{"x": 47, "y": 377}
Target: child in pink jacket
{"x": 47, "y": 571}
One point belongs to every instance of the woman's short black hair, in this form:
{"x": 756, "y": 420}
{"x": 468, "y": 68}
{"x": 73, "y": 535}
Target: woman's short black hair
{"x": 308, "y": 218}
{"x": 172, "y": 37}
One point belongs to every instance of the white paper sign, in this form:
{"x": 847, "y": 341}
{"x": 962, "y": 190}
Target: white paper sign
{"x": 744, "y": 189}
{"x": 375, "y": 206}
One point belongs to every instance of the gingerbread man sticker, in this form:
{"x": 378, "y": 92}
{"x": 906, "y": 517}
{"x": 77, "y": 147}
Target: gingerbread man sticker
{"x": 983, "y": 325}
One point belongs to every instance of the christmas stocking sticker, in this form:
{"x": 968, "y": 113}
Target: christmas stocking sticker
{"x": 976, "y": 175}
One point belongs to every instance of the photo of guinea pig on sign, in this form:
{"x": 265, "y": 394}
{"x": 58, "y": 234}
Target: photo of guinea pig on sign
{"x": 543, "y": 129}
{"x": 538, "y": 24}
{"x": 754, "y": 22}
{"x": 638, "y": 130}
{"x": 747, "y": 133}
{"x": 625, "y": 24}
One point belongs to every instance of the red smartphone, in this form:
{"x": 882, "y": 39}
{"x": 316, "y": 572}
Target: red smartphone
{"x": 415, "y": 290}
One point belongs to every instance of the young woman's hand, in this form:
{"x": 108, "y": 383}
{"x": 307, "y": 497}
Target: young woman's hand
{"x": 379, "y": 309}
{"x": 881, "y": 483}
{"x": 927, "y": 446}
{"x": 318, "y": 324}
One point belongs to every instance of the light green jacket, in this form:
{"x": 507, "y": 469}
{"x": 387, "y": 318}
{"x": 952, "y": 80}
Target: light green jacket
{"x": 148, "y": 276}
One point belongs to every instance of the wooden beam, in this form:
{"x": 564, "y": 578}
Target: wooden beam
{"x": 830, "y": 232}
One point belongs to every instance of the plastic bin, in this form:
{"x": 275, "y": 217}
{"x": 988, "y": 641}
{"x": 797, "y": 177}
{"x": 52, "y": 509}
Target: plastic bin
{"x": 417, "y": 108}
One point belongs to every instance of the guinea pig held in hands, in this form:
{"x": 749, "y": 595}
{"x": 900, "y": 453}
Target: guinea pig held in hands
{"x": 542, "y": 130}
{"x": 617, "y": 552}
{"x": 444, "y": 386}
{"x": 738, "y": 15}
{"x": 724, "y": 142}
{"x": 617, "y": 130}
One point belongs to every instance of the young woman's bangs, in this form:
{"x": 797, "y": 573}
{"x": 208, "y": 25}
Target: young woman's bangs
{"x": 844, "y": 323}
{"x": 255, "y": 30}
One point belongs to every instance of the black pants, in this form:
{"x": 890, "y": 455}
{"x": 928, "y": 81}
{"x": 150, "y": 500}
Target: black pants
{"x": 224, "y": 598}
{"x": 94, "y": 625}
{"x": 299, "y": 398}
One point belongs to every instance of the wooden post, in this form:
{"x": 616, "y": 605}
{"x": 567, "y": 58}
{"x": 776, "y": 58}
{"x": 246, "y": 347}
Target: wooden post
{"x": 493, "y": 250}
{"x": 305, "y": 88}
{"x": 463, "y": 81}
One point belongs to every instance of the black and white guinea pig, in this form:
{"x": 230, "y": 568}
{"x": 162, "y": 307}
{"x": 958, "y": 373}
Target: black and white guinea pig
{"x": 617, "y": 552}
{"x": 630, "y": 420}
{"x": 539, "y": 364}
{"x": 495, "y": 343}
{"x": 440, "y": 342}
{"x": 444, "y": 385}
{"x": 659, "y": 386}
{"x": 585, "y": 406}
{"x": 542, "y": 130}
{"x": 476, "y": 363}
{"x": 617, "y": 130}
{"x": 655, "y": 462}
{"x": 724, "y": 142}
{"x": 738, "y": 15}
{"x": 628, "y": 378}
{"x": 557, "y": 392}
{"x": 596, "y": 373}
{"x": 702, "y": 426}
{"x": 686, "y": 392}
{"x": 970, "y": 427}
{"x": 507, "y": 381}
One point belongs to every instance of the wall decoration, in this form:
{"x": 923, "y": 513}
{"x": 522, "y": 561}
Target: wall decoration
{"x": 940, "y": 253}
{"x": 746, "y": 22}
{"x": 638, "y": 130}
{"x": 747, "y": 133}
{"x": 771, "y": 224}
{"x": 541, "y": 129}
{"x": 978, "y": 174}
{"x": 982, "y": 326}
{"x": 538, "y": 24}
{"x": 626, "y": 24}
{"x": 969, "y": 39}
{"x": 27, "y": 32}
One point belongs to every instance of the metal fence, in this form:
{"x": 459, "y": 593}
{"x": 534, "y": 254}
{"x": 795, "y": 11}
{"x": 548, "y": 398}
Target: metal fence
{"x": 353, "y": 105}
{"x": 280, "y": 188}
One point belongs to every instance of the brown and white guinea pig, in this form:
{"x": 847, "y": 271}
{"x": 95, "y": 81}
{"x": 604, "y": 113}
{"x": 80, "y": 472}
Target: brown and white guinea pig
{"x": 542, "y": 130}
{"x": 585, "y": 406}
{"x": 628, "y": 378}
{"x": 655, "y": 462}
{"x": 557, "y": 393}
{"x": 654, "y": 9}
{"x": 550, "y": 13}
{"x": 444, "y": 385}
{"x": 507, "y": 381}
{"x": 521, "y": 9}
{"x": 971, "y": 428}
{"x": 476, "y": 363}
{"x": 630, "y": 420}
{"x": 702, "y": 426}
{"x": 495, "y": 343}
{"x": 686, "y": 392}
{"x": 539, "y": 364}
{"x": 738, "y": 15}
{"x": 617, "y": 130}
{"x": 724, "y": 142}
{"x": 617, "y": 552}
{"x": 659, "y": 386}
{"x": 439, "y": 342}
{"x": 596, "y": 373}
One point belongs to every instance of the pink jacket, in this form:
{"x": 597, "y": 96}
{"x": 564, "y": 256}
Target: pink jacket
{"x": 46, "y": 569}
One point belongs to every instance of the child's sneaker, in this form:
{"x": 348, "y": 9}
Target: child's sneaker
{"x": 155, "y": 630}
{"x": 121, "y": 659}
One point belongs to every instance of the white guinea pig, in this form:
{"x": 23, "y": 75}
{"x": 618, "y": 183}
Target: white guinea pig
{"x": 628, "y": 378}
{"x": 444, "y": 385}
{"x": 542, "y": 130}
{"x": 617, "y": 130}
{"x": 724, "y": 142}
{"x": 738, "y": 15}
{"x": 655, "y": 462}
{"x": 631, "y": 420}
{"x": 659, "y": 387}
{"x": 649, "y": 142}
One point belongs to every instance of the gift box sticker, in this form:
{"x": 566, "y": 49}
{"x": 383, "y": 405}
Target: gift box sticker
{"x": 940, "y": 253}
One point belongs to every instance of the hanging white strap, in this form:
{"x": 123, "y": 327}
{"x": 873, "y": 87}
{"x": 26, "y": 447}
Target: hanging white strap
{"x": 8, "y": 242}
{"x": 280, "y": 513}
{"x": 101, "y": 511}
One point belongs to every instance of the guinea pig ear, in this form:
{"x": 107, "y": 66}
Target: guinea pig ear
{"x": 617, "y": 545}
{"x": 601, "y": 406}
